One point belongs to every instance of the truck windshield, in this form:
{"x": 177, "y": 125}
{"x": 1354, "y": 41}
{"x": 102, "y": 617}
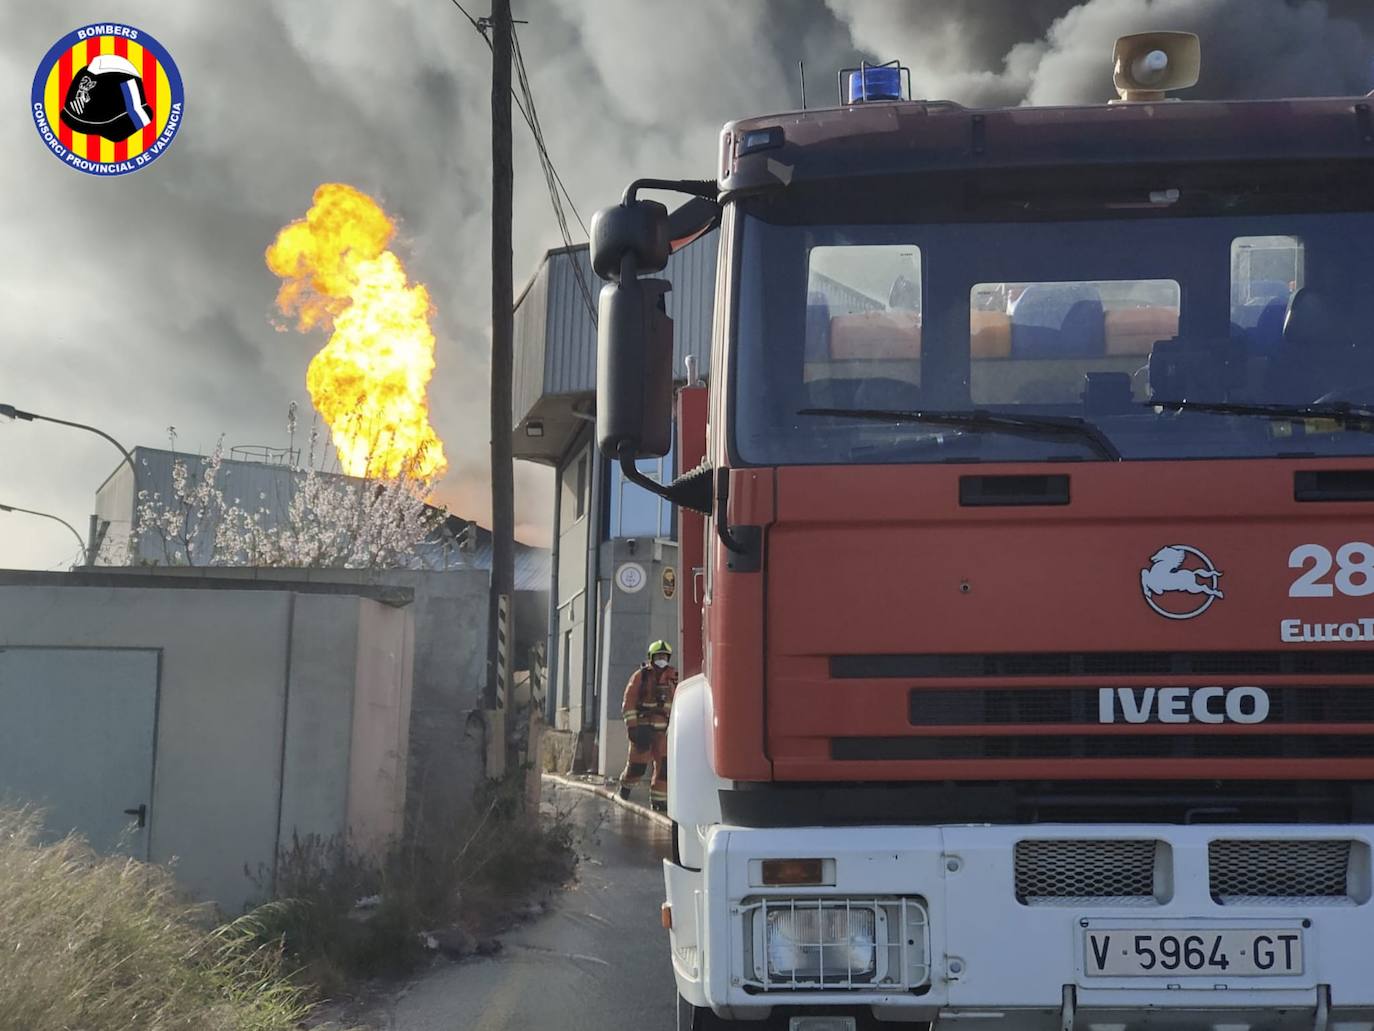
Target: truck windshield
{"x": 1252, "y": 326}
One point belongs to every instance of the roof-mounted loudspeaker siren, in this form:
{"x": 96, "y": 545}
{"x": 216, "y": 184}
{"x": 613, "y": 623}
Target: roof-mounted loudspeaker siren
{"x": 1147, "y": 65}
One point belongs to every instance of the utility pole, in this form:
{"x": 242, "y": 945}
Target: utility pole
{"x": 502, "y": 331}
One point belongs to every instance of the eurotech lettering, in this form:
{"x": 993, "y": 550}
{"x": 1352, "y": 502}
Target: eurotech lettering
{"x": 1294, "y": 631}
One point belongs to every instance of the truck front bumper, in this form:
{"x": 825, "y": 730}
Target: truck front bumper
{"x": 1036, "y": 926}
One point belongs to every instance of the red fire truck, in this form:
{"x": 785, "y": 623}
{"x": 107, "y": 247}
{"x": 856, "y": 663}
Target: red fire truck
{"x": 1030, "y": 503}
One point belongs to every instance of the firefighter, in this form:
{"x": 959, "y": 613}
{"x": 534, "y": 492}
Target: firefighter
{"x": 648, "y": 706}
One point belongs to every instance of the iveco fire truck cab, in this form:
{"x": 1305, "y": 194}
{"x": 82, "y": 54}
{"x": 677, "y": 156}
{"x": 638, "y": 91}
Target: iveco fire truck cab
{"x": 1035, "y": 597}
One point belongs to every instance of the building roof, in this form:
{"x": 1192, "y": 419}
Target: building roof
{"x": 447, "y": 549}
{"x": 271, "y": 485}
{"x": 555, "y": 340}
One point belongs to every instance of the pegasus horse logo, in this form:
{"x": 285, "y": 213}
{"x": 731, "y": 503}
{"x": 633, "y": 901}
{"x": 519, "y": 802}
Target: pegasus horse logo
{"x": 1178, "y": 569}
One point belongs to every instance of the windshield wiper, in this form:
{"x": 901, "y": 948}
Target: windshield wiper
{"x": 1358, "y": 417}
{"x": 978, "y": 419}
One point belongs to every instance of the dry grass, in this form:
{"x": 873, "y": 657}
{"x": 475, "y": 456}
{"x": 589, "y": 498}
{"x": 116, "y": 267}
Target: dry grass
{"x": 107, "y": 944}
{"x": 467, "y": 871}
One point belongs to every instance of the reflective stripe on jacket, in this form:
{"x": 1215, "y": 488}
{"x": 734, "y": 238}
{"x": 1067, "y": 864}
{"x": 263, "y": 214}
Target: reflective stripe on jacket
{"x": 649, "y": 697}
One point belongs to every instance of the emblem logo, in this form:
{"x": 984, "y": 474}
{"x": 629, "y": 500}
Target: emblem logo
{"x": 1180, "y": 582}
{"x": 107, "y": 99}
{"x": 631, "y": 577}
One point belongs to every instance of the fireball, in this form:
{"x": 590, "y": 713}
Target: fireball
{"x": 369, "y": 382}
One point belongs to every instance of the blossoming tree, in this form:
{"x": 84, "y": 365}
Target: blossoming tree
{"x": 319, "y": 519}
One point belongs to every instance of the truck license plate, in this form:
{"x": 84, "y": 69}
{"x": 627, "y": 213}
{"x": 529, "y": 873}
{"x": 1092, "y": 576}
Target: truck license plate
{"x": 1249, "y": 952}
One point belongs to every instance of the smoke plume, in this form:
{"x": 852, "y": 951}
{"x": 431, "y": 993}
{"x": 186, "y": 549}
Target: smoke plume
{"x": 1000, "y": 52}
{"x": 394, "y": 97}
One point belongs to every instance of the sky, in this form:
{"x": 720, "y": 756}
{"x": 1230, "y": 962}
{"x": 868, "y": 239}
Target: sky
{"x": 142, "y": 302}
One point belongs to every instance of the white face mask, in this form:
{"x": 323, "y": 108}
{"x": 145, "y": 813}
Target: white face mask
{"x": 660, "y": 663}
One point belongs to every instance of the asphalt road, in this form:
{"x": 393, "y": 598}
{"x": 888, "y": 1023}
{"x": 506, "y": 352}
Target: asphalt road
{"x": 597, "y": 961}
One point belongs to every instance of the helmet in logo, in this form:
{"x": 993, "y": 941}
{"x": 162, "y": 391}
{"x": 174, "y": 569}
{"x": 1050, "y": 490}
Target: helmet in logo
{"x": 1180, "y": 582}
{"x": 106, "y": 98}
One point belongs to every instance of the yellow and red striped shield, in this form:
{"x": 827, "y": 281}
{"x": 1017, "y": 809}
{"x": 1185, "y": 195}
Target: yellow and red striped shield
{"x": 157, "y": 84}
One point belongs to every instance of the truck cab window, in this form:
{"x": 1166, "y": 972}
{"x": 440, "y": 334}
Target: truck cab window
{"x": 1027, "y": 325}
{"x": 1040, "y": 342}
{"x": 1266, "y": 271}
{"x": 863, "y": 327}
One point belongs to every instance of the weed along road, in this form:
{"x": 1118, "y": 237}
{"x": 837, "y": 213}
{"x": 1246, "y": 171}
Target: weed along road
{"x": 597, "y": 961}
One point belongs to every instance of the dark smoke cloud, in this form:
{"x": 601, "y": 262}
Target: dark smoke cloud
{"x": 142, "y": 302}
{"x": 993, "y": 52}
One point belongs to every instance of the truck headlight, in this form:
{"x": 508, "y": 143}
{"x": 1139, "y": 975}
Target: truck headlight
{"x": 813, "y": 943}
{"x": 820, "y": 943}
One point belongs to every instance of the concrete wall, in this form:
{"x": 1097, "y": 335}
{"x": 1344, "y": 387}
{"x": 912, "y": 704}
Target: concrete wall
{"x": 449, "y": 612}
{"x": 279, "y": 711}
{"x": 630, "y": 620}
{"x": 574, "y": 672}
{"x": 381, "y": 723}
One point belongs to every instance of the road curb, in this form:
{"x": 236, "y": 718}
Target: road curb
{"x": 613, "y": 796}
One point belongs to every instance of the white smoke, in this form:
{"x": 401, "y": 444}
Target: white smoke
{"x": 393, "y": 96}
{"x": 995, "y": 52}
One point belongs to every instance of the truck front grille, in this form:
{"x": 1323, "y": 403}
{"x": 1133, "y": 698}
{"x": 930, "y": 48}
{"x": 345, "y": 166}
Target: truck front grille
{"x": 1239, "y": 745}
{"x": 1078, "y": 871}
{"x": 1101, "y": 664}
{"x": 1065, "y": 706}
{"x": 1033, "y": 704}
{"x": 1284, "y": 872}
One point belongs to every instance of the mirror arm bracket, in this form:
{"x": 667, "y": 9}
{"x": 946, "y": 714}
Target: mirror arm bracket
{"x": 731, "y": 542}
{"x": 707, "y": 188}
{"x": 626, "y": 453}
{"x": 690, "y": 490}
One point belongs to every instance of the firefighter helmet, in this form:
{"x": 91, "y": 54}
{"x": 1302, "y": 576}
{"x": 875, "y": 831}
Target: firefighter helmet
{"x": 107, "y": 98}
{"x": 660, "y": 648}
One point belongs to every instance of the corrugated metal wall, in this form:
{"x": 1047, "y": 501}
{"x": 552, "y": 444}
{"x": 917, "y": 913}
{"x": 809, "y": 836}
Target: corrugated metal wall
{"x": 554, "y": 329}
{"x": 570, "y": 347}
{"x": 691, "y": 302}
{"x": 531, "y": 316}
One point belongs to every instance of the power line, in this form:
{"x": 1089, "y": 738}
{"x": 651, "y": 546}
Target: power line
{"x": 525, "y": 105}
{"x": 538, "y": 131}
{"x": 475, "y": 23}
{"x": 552, "y": 178}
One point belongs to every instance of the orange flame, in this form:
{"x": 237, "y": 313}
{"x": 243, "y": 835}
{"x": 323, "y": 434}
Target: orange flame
{"x": 369, "y": 380}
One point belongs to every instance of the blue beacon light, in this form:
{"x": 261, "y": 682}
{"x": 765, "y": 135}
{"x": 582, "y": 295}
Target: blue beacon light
{"x": 870, "y": 82}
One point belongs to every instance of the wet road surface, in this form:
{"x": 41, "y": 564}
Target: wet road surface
{"x": 597, "y": 961}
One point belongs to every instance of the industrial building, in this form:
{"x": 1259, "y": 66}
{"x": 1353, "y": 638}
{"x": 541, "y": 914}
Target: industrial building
{"x": 615, "y": 571}
{"x": 268, "y": 478}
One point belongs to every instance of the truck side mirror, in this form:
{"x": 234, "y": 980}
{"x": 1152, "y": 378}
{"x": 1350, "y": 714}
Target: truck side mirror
{"x": 634, "y": 368}
{"x": 638, "y": 229}
{"x": 634, "y": 344}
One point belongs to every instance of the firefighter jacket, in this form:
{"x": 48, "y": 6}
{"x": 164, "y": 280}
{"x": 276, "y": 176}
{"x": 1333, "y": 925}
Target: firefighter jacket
{"x": 649, "y": 697}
